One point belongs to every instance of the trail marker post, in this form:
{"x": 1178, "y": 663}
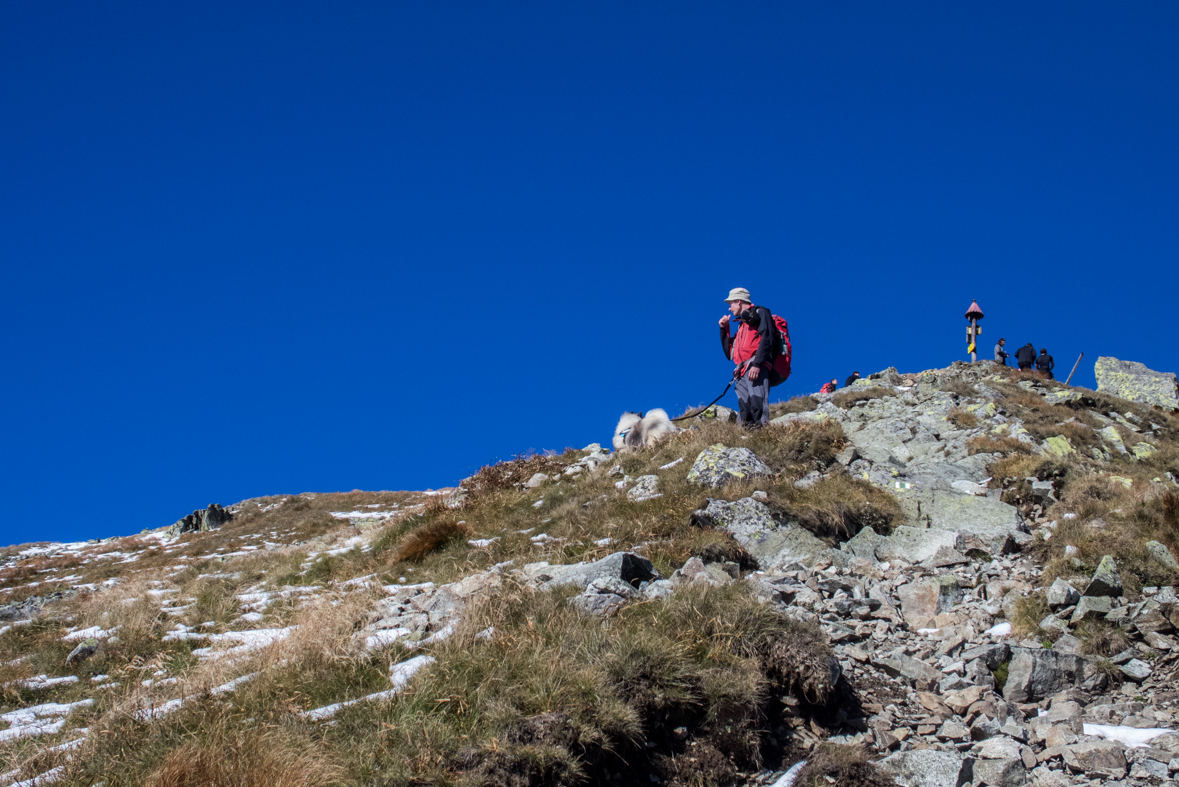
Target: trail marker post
{"x": 973, "y": 330}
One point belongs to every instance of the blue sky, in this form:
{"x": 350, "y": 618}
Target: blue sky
{"x": 261, "y": 248}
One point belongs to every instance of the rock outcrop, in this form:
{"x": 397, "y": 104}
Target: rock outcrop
{"x": 201, "y": 520}
{"x": 1134, "y": 382}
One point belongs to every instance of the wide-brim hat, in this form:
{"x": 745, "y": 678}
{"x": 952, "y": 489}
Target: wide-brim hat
{"x": 738, "y": 294}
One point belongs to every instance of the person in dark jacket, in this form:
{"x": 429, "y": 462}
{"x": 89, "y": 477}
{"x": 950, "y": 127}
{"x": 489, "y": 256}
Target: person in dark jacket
{"x": 752, "y": 351}
{"x": 1045, "y": 364}
{"x": 854, "y": 376}
{"x": 1025, "y": 356}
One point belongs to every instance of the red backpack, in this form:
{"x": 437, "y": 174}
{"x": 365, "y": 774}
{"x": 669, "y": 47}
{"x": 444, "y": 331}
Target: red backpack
{"x": 780, "y": 371}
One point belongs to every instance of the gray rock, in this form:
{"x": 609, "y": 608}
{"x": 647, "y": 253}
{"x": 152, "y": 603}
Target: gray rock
{"x": 1000, "y": 773}
{"x": 922, "y": 601}
{"x": 978, "y": 522}
{"x": 1001, "y": 748}
{"x": 1106, "y": 580}
{"x": 627, "y": 566}
{"x": 990, "y": 655}
{"x": 928, "y": 768}
{"x": 1133, "y": 381}
{"x": 1062, "y": 594}
{"x": 1033, "y": 675}
{"x": 914, "y": 544}
{"x": 86, "y": 648}
{"x": 201, "y": 520}
{"x": 717, "y": 465}
{"x": 916, "y": 673}
{"x": 752, "y": 524}
{"x": 536, "y": 480}
{"x": 1096, "y": 759}
{"x": 1136, "y": 670}
{"x": 717, "y": 413}
{"x": 646, "y": 487}
{"x": 597, "y": 604}
{"x": 1091, "y": 608}
{"x": 1163, "y": 555}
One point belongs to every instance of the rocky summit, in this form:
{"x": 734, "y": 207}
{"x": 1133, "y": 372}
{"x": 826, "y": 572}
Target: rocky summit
{"x": 965, "y": 576}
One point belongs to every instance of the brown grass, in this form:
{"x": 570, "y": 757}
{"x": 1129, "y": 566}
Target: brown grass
{"x": 835, "y": 765}
{"x": 850, "y": 398}
{"x": 1027, "y": 614}
{"x": 798, "y": 404}
{"x": 962, "y": 419}
{"x": 809, "y": 445}
{"x": 427, "y": 538}
{"x": 839, "y": 506}
{"x": 247, "y": 758}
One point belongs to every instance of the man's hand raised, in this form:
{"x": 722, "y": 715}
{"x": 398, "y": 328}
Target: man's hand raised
{"x": 724, "y": 321}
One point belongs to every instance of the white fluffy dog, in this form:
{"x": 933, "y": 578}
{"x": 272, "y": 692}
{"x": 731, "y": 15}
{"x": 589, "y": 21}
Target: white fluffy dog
{"x": 636, "y": 431}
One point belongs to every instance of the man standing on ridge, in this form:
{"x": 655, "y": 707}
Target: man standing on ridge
{"x": 1000, "y": 353}
{"x": 1045, "y": 364}
{"x": 752, "y": 351}
{"x": 1025, "y": 356}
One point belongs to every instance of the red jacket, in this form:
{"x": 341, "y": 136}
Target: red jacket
{"x": 747, "y": 344}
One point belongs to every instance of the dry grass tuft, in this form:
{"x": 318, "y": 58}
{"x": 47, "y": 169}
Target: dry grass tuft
{"x": 246, "y": 758}
{"x": 798, "y": 404}
{"x": 850, "y": 398}
{"x": 811, "y": 445}
{"x": 835, "y": 765}
{"x": 1027, "y": 614}
{"x": 427, "y": 538}
{"x": 839, "y": 506}
{"x": 962, "y": 419}
{"x": 1100, "y": 638}
{"x": 509, "y": 474}
{"x": 326, "y": 631}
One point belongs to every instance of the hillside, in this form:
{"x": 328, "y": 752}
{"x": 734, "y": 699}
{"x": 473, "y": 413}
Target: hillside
{"x": 962, "y": 576}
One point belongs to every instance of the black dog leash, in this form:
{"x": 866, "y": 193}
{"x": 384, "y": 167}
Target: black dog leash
{"x": 710, "y": 404}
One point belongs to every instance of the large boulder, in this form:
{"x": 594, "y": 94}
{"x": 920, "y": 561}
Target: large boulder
{"x": 923, "y": 601}
{"x": 928, "y": 768}
{"x": 627, "y": 566}
{"x": 979, "y": 522}
{"x": 1034, "y": 674}
{"x": 1134, "y": 381}
{"x": 771, "y": 542}
{"x": 1106, "y": 580}
{"x": 201, "y": 520}
{"x": 718, "y": 465}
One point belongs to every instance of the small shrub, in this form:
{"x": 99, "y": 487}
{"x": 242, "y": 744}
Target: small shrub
{"x": 839, "y": 506}
{"x": 812, "y": 445}
{"x": 429, "y": 537}
{"x": 836, "y": 765}
{"x": 962, "y": 419}
{"x": 1101, "y": 638}
{"x": 1026, "y": 617}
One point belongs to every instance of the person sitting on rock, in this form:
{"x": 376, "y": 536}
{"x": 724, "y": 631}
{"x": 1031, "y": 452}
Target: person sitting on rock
{"x": 1045, "y": 364}
{"x": 829, "y": 387}
{"x": 1025, "y": 356}
{"x": 1000, "y": 353}
{"x": 854, "y": 376}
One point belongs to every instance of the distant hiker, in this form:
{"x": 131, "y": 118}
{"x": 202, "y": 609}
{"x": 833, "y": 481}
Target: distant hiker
{"x": 1045, "y": 364}
{"x": 1025, "y": 356}
{"x": 829, "y": 387}
{"x": 752, "y": 350}
{"x": 854, "y": 376}
{"x": 1000, "y": 353}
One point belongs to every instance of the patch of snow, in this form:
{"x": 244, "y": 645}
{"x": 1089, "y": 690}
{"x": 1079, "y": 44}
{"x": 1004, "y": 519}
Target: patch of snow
{"x": 49, "y": 777}
{"x": 96, "y": 632}
{"x": 385, "y": 637}
{"x": 670, "y": 465}
{"x": 604, "y": 542}
{"x": 483, "y": 542}
{"x": 787, "y": 779}
{"x": 1133, "y": 737}
{"x": 26, "y": 722}
{"x": 1000, "y": 630}
{"x": 45, "y": 682}
{"x": 400, "y": 675}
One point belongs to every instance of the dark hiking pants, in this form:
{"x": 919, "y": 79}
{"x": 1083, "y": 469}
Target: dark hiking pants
{"x": 753, "y": 399}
